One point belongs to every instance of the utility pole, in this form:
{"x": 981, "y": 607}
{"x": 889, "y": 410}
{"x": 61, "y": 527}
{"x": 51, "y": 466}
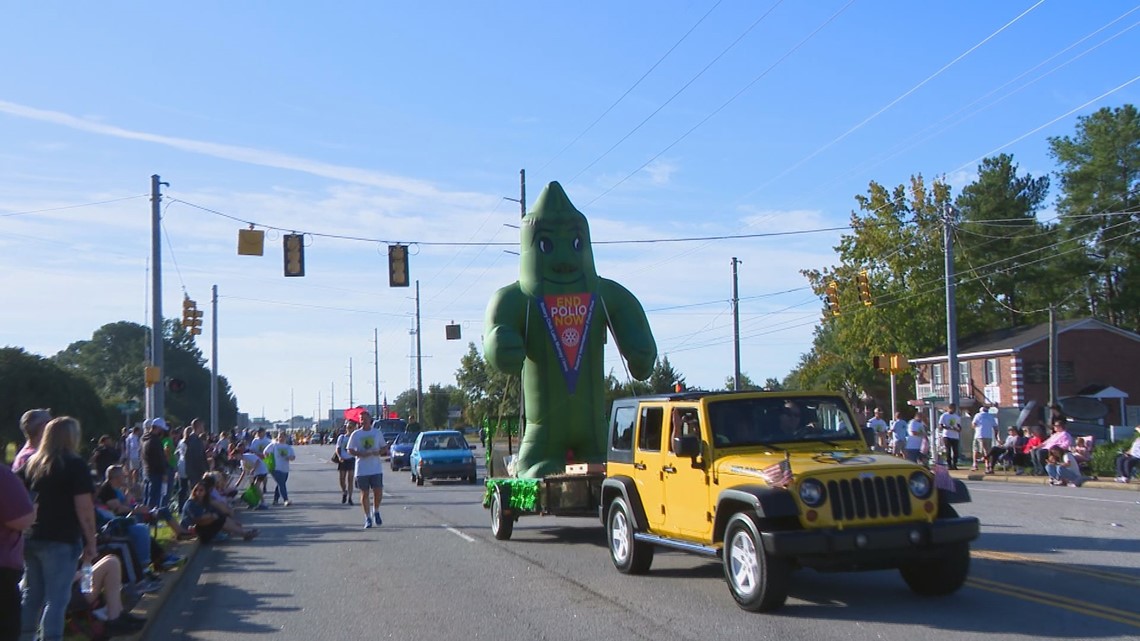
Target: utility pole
{"x": 521, "y": 200}
{"x": 419, "y": 363}
{"x": 214, "y": 360}
{"x": 951, "y": 317}
{"x": 376, "y": 360}
{"x": 1053, "y": 356}
{"x": 157, "y": 396}
{"x": 735, "y": 327}
{"x": 350, "y": 401}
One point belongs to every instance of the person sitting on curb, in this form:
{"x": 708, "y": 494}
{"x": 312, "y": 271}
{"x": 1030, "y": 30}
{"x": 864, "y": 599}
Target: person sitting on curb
{"x": 1063, "y": 468}
{"x": 1060, "y": 438}
{"x": 200, "y": 513}
{"x": 106, "y": 597}
{"x": 1127, "y": 461}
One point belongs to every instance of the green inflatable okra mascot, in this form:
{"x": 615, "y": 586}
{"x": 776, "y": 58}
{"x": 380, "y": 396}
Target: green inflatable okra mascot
{"x": 550, "y": 326}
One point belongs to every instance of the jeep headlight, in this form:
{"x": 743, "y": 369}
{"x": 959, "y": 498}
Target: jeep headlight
{"x": 812, "y": 493}
{"x": 920, "y": 485}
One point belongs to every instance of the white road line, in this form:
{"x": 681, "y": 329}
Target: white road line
{"x": 456, "y": 532}
{"x": 1059, "y": 492}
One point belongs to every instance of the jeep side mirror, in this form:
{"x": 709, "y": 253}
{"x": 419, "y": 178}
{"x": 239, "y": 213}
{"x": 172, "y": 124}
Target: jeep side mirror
{"x": 689, "y": 446}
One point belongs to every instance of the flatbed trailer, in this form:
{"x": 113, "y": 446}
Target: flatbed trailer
{"x": 509, "y": 499}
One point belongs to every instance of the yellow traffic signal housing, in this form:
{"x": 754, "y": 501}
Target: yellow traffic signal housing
{"x": 251, "y": 242}
{"x": 864, "y": 284}
{"x": 398, "y": 266}
{"x": 898, "y": 363}
{"x": 833, "y": 298}
{"x": 189, "y": 307}
{"x": 879, "y": 362}
{"x": 151, "y": 375}
{"x": 294, "y": 254}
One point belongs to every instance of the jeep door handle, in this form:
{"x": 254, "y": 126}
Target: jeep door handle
{"x": 639, "y": 466}
{"x": 669, "y": 469}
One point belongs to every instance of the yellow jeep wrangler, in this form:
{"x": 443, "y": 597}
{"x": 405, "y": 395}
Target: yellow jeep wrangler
{"x": 772, "y": 481}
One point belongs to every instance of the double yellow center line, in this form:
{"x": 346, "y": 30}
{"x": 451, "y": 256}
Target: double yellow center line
{"x": 1054, "y": 599}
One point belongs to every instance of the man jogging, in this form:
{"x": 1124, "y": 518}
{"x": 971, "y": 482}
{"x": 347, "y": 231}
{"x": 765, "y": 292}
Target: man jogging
{"x": 367, "y": 445}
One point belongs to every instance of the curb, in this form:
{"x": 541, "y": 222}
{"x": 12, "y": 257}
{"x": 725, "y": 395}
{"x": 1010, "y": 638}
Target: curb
{"x": 152, "y": 604}
{"x": 1009, "y": 477}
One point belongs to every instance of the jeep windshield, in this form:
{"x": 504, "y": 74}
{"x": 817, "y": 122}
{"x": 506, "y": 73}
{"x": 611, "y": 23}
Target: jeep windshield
{"x": 744, "y": 421}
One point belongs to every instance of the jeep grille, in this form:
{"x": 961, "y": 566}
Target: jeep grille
{"x": 868, "y": 498}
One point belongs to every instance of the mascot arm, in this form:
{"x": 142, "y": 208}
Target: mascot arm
{"x": 631, "y": 328}
{"x": 502, "y": 338}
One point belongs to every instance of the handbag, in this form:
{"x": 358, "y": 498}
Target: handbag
{"x": 251, "y": 496}
{"x": 335, "y": 458}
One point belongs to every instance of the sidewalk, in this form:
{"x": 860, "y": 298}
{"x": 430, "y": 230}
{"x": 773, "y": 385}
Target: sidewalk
{"x": 1009, "y": 477}
{"x": 151, "y": 604}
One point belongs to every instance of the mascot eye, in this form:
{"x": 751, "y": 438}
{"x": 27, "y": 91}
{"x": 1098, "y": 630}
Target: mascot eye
{"x": 577, "y": 243}
{"x": 545, "y": 245}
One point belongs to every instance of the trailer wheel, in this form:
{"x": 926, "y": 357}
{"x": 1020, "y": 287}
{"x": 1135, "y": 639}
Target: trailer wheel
{"x": 758, "y": 581}
{"x": 629, "y": 555}
{"x": 502, "y": 521}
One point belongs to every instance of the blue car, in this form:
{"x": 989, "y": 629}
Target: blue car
{"x": 401, "y": 450}
{"x": 442, "y": 454}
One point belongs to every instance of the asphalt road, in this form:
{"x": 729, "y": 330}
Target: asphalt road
{"x": 1052, "y": 563}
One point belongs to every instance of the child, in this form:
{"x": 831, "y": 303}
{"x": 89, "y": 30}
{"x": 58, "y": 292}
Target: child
{"x": 1063, "y": 468}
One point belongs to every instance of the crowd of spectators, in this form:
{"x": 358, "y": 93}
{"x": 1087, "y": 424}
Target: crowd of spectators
{"x": 80, "y": 537}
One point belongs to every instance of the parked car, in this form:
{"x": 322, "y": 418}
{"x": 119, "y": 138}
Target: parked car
{"x": 401, "y": 450}
{"x": 442, "y": 454}
{"x": 390, "y": 428}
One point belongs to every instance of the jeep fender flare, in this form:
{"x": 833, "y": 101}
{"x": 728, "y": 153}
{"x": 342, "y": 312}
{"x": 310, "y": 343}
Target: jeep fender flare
{"x": 763, "y": 501}
{"x": 624, "y": 486}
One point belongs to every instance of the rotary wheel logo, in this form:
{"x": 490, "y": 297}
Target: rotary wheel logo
{"x": 570, "y": 337}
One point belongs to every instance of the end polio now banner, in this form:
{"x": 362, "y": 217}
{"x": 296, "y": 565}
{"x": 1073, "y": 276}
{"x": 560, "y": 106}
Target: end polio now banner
{"x": 567, "y": 318}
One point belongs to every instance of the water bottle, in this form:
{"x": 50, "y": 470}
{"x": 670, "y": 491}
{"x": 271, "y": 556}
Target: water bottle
{"x": 87, "y": 583}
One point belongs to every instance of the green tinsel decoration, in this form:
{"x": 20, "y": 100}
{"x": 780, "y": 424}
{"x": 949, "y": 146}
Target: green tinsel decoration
{"x": 524, "y": 493}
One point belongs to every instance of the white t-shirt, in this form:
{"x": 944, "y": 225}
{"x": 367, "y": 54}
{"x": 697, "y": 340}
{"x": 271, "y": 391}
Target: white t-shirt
{"x": 342, "y": 448}
{"x": 133, "y": 447}
{"x": 898, "y": 428}
{"x": 257, "y": 446}
{"x": 253, "y": 464}
{"x": 877, "y": 424}
{"x": 950, "y": 425}
{"x": 369, "y": 440}
{"x": 281, "y": 452}
{"x": 985, "y": 424}
{"x": 915, "y": 432}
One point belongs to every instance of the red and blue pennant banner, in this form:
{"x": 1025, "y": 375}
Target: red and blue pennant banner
{"x": 568, "y": 318}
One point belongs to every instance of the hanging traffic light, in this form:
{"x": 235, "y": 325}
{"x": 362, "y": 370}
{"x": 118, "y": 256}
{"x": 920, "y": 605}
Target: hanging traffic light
{"x": 294, "y": 254}
{"x": 864, "y": 284}
{"x": 191, "y": 316}
{"x": 833, "y": 298}
{"x": 398, "y": 266}
{"x": 188, "y": 309}
{"x": 176, "y": 385}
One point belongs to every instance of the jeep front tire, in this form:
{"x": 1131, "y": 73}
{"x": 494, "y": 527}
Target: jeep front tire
{"x": 629, "y": 555}
{"x": 758, "y": 581}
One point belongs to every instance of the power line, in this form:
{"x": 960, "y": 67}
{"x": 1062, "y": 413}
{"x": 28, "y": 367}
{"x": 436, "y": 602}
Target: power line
{"x": 91, "y": 204}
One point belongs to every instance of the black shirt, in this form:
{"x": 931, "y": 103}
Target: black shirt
{"x": 55, "y": 492}
{"x": 153, "y": 455}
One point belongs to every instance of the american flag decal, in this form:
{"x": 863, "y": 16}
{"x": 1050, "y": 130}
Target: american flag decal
{"x": 779, "y": 475}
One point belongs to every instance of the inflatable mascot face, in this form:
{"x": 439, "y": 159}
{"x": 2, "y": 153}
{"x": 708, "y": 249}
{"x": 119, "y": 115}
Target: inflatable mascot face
{"x": 556, "y": 256}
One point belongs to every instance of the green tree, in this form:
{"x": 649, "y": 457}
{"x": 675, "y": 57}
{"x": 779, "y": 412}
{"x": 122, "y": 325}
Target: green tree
{"x": 1007, "y": 275}
{"x": 1100, "y": 190}
{"x": 31, "y": 381}
{"x": 113, "y": 360}
{"x": 896, "y": 236}
{"x": 487, "y": 392}
{"x": 437, "y": 402}
{"x": 663, "y": 377}
{"x": 746, "y": 383}
{"x": 405, "y": 406}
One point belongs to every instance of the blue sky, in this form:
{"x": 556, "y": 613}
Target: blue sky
{"x": 410, "y": 122}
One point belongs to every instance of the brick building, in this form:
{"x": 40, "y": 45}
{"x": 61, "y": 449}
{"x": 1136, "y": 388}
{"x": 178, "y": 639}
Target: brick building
{"x": 1010, "y": 367}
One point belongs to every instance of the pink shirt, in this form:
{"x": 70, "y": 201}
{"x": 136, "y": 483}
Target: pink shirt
{"x": 1061, "y": 439}
{"x": 22, "y": 456}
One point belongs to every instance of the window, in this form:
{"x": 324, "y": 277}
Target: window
{"x": 936, "y": 374}
{"x": 992, "y": 376}
{"x": 649, "y": 434}
{"x": 623, "y": 428}
{"x": 964, "y": 372}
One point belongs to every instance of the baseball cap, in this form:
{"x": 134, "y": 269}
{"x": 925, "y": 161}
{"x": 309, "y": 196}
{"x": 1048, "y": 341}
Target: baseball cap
{"x": 160, "y": 423}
